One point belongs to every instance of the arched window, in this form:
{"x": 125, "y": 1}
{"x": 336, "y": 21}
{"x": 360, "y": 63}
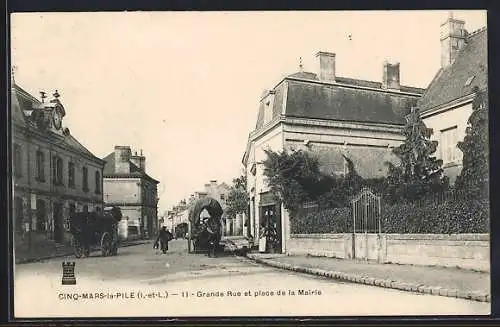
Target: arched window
{"x": 85, "y": 182}
{"x": 71, "y": 174}
{"x": 57, "y": 170}
{"x": 97, "y": 182}
{"x": 40, "y": 166}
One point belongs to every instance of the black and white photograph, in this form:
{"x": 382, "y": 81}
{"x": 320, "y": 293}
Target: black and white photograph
{"x": 170, "y": 164}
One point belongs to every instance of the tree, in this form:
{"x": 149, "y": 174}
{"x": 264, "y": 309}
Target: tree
{"x": 293, "y": 177}
{"x": 419, "y": 171}
{"x": 474, "y": 177}
{"x": 237, "y": 200}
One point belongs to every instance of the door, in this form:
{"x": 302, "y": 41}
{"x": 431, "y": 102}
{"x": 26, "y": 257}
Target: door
{"x": 58, "y": 223}
{"x": 272, "y": 223}
{"x": 18, "y": 214}
{"x": 41, "y": 216}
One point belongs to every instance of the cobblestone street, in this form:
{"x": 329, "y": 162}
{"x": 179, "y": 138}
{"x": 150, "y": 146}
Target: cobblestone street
{"x": 202, "y": 286}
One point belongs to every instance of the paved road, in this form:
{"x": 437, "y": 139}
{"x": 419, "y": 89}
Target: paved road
{"x": 142, "y": 282}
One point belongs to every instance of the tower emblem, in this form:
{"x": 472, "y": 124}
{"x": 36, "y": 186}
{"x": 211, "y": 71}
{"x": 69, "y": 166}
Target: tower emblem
{"x": 68, "y": 277}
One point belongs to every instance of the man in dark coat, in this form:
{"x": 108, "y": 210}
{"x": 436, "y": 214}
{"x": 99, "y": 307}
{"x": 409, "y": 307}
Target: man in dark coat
{"x": 164, "y": 236}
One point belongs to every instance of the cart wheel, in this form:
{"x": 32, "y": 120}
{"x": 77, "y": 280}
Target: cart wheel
{"x": 106, "y": 244}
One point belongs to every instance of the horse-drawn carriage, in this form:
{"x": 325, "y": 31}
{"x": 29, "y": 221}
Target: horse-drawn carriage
{"x": 96, "y": 228}
{"x": 205, "y": 231}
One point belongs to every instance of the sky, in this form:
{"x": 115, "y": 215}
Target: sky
{"x": 184, "y": 86}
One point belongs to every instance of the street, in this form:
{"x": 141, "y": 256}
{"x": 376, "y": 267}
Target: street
{"x": 140, "y": 281}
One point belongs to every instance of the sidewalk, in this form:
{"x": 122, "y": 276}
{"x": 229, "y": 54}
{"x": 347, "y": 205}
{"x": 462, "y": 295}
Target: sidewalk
{"x": 451, "y": 282}
{"x": 40, "y": 253}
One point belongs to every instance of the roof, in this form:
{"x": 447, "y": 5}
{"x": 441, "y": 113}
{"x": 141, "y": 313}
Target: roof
{"x": 16, "y": 111}
{"x": 23, "y": 103}
{"x": 449, "y": 84}
{"x": 347, "y": 99}
{"x": 135, "y": 172}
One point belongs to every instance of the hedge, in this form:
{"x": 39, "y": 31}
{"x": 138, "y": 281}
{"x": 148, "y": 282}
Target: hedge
{"x": 450, "y": 217}
{"x": 337, "y": 220}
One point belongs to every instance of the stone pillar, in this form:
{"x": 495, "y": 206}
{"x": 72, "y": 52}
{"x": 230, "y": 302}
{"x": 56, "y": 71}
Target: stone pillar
{"x": 285, "y": 229}
{"x": 238, "y": 226}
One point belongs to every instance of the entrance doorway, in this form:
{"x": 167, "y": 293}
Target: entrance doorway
{"x": 41, "y": 216}
{"x": 18, "y": 214}
{"x": 271, "y": 222}
{"x": 58, "y": 223}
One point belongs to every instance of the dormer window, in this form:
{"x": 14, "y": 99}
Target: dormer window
{"x": 253, "y": 169}
{"x": 268, "y": 106}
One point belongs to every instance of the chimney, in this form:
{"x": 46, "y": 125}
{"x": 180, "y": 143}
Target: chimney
{"x": 122, "y": 159}
{"x": 139, "y": 161}
{"x": 390, "y": 78}
{"x": 213, "y": 182}
{"x": 453, "y": 36}
{"x": 326, "y": 66}
{"x": 142, "y": 163}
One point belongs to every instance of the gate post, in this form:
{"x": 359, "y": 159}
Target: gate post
{"x": 353, "y": 241}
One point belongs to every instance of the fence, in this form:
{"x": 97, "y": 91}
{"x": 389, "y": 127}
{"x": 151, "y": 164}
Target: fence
{"x": 366, "y": 210}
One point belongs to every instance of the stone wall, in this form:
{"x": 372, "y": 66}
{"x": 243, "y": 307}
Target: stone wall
{"x": 467, "y": 251}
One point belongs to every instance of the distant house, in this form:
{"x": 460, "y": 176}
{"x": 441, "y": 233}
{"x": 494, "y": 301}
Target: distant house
{"x": 447, "y": 103}
{"x": 327, "y": 115}
{"x": 128, "y": 186}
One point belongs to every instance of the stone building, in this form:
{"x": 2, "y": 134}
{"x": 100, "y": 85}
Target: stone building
{"x": 177, "y": 217}
{"x": 327, "y": 115}
{"x": 447, "y": 103}
{"x": 128, "y": 186}
{"x": 53, "y": 174}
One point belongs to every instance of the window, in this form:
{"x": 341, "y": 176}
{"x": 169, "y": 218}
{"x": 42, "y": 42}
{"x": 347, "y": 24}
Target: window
{"x": 85, "y": 179}
{"x": 57, "y": 170}
{"x": 97, "y": 182}
{"x": 268, "y": 112}
{"x": 40, "y": 166}
{"x": 18, "y": 167}
{"x": 268, "y": 107}
{"x": 448, "y": 143}
{"x": 71, "y": 174}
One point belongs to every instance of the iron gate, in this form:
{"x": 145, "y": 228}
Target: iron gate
{"x": 366, "y": 211}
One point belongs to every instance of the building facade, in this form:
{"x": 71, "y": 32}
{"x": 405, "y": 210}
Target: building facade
{"x": 53, "y": 175}
{"x": 128, "y": 186}
{"x": 447, "y": 103}
{"x": 329, "y": 116}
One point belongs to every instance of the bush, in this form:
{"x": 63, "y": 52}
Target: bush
{"x": 450, "y": 217}
{"x": 338, "y": 220}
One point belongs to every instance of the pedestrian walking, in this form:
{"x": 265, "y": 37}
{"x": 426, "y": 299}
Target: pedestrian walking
{"x": 164, "y": 236}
